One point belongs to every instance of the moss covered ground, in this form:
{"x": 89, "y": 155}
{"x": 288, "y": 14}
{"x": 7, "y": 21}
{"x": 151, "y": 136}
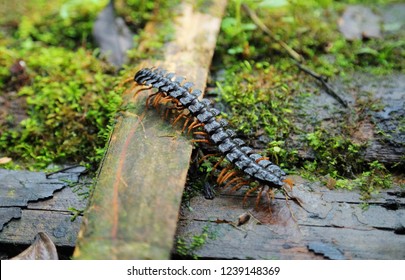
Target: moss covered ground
{"x": 59, "y": 97}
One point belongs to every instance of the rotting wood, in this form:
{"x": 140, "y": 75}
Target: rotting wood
{"x": 33, "y": 202}
{"x": 330, "y": 225}
{"x": 134, "y": 209}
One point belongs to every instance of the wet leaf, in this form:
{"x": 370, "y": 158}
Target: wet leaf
{"x": 42, "y": 249}
{"x": 358, "y": 22}
{"x": 112, "y": 35}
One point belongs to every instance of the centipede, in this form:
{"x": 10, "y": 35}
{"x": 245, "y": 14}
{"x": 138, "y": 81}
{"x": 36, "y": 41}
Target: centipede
{"x": 245, "y": 165}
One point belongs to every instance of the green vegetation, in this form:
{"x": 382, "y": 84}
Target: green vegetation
{"x": 148, "y": 42}
{"x": 369, "y": 182}
{"x": 68, "y": 97}
{"x": 63, "y": 97}
{"x": 69, "y": 106}
{"x": 265, "y": 93}
{"x": 63, "y": 23}
{"x": 188, "y": 248}
{"x": 308, "y": 27}
{"x": 259, "y": 102}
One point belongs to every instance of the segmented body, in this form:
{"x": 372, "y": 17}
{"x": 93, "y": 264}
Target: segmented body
{"x": 254, "y": 166}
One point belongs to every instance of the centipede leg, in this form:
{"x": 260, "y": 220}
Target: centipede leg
{"x": 234, "y": 180}
{"x": 185, "y": 125}
{"x": 151, "y": 97}
{"x": 223, "y": 172}
{"x": 228, "y": 176}
{"x": 157, "y": 101}
{"x": 182, "y": 115}
{"x": 217, "y": 164}
{"x": 194, "y": 125}
{"x": 141, "y": 89}
{"x": 200, "y": 141}
{"x": 249, "y": 192}
{"x": 126, "y": 81}
{"x": 270, "y": 196}
{"x": 203, "y": 133}
{"x": 258, "y": 197}
{"x": 239, "y": 185}
{"x": 207, "y": 156}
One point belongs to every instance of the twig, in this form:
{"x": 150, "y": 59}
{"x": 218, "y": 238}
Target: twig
{"x": 324, "y": 82}
{"x": 294, "y": 55}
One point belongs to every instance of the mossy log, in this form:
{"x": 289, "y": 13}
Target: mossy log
{"x": 133, "y": 212}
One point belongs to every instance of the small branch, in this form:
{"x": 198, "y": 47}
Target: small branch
{"x": 324, "y": 82}
{"x": 294, "y": 55}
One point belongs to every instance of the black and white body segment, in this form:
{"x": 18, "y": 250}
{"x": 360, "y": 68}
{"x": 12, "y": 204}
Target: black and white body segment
{"x": 252, "y": 165}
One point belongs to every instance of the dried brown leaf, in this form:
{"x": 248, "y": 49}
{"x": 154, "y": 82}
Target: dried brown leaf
{"x": 42, "y": 249}
{"x": 243, "y": 219}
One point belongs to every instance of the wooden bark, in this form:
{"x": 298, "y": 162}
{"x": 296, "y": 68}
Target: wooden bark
{"x": 330, "y": 224}
{"x": 134, "y": 209}
{"x": 32, "y": 202}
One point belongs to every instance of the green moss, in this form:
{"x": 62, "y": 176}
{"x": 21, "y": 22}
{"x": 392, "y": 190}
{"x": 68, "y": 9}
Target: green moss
{"x": 137, "y": 12}
{"x": 69, "y": 95}
{"x": 188, "y": 248}
{"x": 310, "y": 28}
{"x": 67, "y": 23}
{"x": 263, "y": 91}
{"x": 149, "y": 42}
{"x": 368, "y": 182}
{"x": 258, "y": 100}
{"x": 70, "y": 102}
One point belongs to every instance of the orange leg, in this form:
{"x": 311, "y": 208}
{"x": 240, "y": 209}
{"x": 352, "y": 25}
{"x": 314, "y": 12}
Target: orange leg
{"x": 223, "y": 172}
{"x": 239, "y": 185}
{"x": 157, "y": 99}
{"x": 216, "y": 165}
{"x": 229, "y": 175}
{"x": 151, "y": 97}
{"x": 259, "y": 196}
{"x": 249, "y": 192}
{"x": 185, "y": 125}
{"x": 193, "y": 125}
{"x": 234, "y": 180}
{"x": 126, "y": 81}
{"x": 206, "y": 156}
{"x": 203, "y": 133}
{"x": 182, "y": 115}
{"x": 270, "y": 196}
{"x": 166, "y": 99}
{"x": 200, "y": 141}
{"x": 141, "y": 89}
